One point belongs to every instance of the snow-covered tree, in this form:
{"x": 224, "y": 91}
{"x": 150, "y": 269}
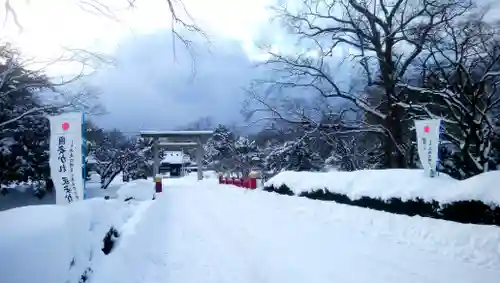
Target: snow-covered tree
{"x": 115, "y": 153}
{"x": 24, "y": 128}
{"x": 248, "y": 155}
{"x": 460, "y": 85}
{"x": 135, "y": 159}
{"x": 225, "y": 151}
{"x": 294, "y": 155}
{"x": 219, "y": 149}
{"x": 374, "y": 32}
{"x": 355, "y": 152}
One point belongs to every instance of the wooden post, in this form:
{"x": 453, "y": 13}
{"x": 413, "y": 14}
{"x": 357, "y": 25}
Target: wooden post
{"x": 156, "y": 158}
{"x": 199, "y": 158}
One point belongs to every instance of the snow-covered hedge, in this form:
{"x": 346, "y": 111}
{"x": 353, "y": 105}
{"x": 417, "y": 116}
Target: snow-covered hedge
{"x": 403, "y": 191}
{"x": 56, "y": 243}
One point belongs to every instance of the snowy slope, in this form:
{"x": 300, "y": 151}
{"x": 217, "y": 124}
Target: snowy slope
{"x": 399, "y": 183}
{"x": 204, "y": 232}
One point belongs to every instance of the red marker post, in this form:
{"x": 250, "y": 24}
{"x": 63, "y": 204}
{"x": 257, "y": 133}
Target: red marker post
{"x": 246, "y": 183}
{"x": 252, "y": 180}
{"x": 158, "y": 184}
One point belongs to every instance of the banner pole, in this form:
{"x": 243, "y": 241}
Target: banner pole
{"x": 441, "y": 130}
{"x": 84, "y": 156}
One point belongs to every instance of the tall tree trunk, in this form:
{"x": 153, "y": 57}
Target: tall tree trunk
{"x": 395, "y": 140}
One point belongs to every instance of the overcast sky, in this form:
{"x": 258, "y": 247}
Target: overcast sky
{"x": 150, "y": 89}
{"x": 147, "y": 88}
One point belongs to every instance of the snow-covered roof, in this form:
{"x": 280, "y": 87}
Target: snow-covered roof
{"x": 177, "y": 144}
{"x": 175, "y": 157}
{"x": 175, "y": 133}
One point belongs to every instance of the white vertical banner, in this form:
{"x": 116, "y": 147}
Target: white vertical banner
{"x": 66, "y": 156}
{"x": 428, "y": 132}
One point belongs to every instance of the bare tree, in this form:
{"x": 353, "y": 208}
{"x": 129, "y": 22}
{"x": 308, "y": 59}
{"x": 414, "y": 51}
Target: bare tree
{"x": 460, "y": 76}
{"x": 383, "y": 38}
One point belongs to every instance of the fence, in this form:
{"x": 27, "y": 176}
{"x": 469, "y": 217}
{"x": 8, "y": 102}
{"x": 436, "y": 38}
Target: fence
{"x": 249, "y": 182}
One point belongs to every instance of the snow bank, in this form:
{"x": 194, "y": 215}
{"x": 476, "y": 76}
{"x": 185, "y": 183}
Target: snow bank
{"x": 210, "y": 174}
{"x": 94, "y": 190}
{"x": 137, "y": 189}
{"x": 56, "y": 243}
{"x": 206, "y": 174}
{"x": 406, "y": 184}
{"x": 94, "y": 178}
{"x": 483, "y": 187}
{"x": 476, "y": 244}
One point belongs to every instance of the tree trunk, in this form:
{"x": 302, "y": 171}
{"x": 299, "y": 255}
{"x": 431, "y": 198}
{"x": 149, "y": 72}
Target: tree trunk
{"x": 394, "y": 141}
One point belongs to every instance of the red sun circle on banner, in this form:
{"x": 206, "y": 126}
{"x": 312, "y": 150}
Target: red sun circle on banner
{"x": 427, "y": 129}
{"x": 65, "y": 126}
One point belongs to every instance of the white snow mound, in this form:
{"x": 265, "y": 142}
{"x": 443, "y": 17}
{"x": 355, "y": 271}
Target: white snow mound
{"x": 56, "y": 243}
{"x": 137, "y": 190}
{"x": 394, "y": 183}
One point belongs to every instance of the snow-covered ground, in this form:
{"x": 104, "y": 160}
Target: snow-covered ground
{"x": 399, "y": 183}
{"x": 206, "y": 232}
{"x": 138, "y": 190}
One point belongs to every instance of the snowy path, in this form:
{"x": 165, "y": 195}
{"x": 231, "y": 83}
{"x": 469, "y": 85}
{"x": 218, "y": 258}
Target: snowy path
{"x": 220, "y": 234}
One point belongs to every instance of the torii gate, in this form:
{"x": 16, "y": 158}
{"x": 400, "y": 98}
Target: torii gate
{"x": 178, "y": 140}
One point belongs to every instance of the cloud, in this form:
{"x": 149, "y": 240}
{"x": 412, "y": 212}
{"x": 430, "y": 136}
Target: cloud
{"x": 150, "y": 88}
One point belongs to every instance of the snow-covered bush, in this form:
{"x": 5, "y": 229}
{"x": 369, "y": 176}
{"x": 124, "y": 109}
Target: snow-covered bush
{"x": 410, "y": 192}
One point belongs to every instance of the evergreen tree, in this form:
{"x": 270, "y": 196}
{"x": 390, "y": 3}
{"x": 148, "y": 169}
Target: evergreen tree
{"x": 219, "y": 149}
